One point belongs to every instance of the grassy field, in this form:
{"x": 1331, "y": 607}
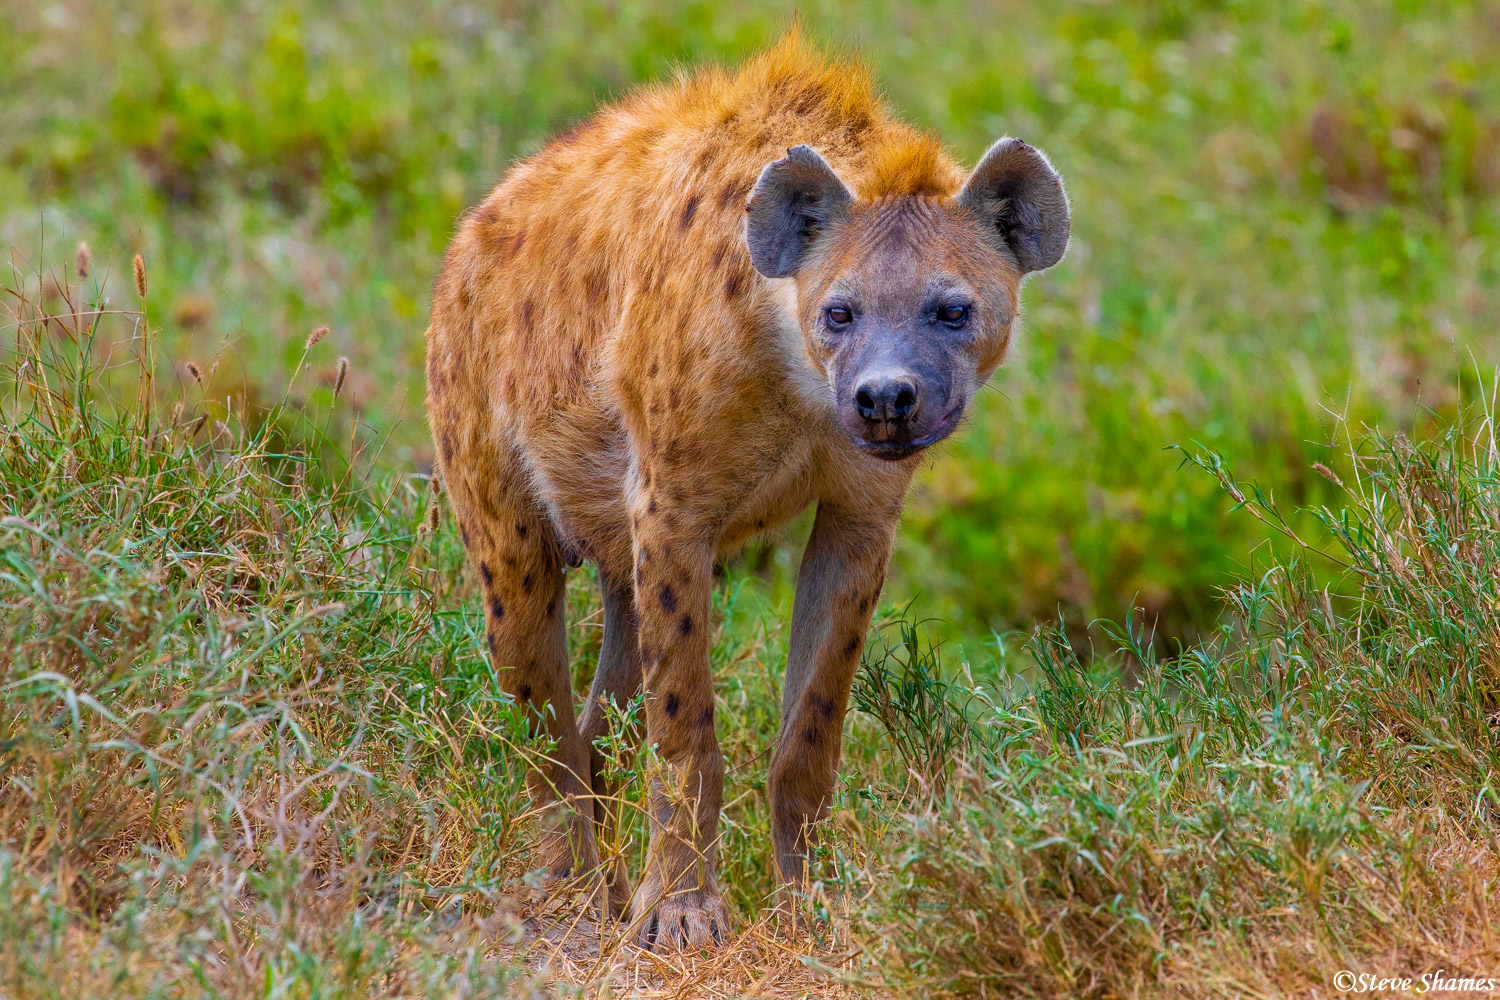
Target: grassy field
{"x": 249, "y": 744}
{"x": 1283, "y": 211}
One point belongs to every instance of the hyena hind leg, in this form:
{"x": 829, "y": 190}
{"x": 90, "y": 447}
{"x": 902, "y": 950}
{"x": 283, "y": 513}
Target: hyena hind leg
{"x": 617, "y": 681}
{"x": 515, "y": 552}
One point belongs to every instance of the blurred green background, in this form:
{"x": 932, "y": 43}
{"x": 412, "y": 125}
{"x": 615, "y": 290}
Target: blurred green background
{"x": 1285, "y": 229}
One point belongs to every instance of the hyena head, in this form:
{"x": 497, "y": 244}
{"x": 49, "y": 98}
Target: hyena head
{"x": 906, "y": 302}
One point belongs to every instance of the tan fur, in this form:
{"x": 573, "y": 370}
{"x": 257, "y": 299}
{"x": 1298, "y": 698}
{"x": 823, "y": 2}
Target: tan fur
{"x": 610, "y": 379}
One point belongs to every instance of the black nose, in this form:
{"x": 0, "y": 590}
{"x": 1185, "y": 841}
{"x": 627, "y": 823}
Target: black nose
{"x": 886, "y": 399}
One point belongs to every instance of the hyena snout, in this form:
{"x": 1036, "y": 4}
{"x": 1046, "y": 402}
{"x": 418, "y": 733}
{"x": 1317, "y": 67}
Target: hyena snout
{"x": 887, "y": 400}
{"x": 895, "y": 412}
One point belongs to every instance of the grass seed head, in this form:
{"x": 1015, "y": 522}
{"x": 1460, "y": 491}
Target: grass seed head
{"x": 338, "y": 382}
{"x": 434, "y": 510}
{"x": 139, "y": 265}
{"x": 195, "y": 372}
{"x": 83, "y": 261}
{"x": 1328, "y": 474}
{"x": 313, "y": 338}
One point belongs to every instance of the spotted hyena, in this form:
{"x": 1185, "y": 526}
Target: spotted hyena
{"x": 711, "y": 305}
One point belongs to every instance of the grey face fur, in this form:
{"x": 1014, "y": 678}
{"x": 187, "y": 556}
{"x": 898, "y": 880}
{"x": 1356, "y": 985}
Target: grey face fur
{"x": 903, "y": 334}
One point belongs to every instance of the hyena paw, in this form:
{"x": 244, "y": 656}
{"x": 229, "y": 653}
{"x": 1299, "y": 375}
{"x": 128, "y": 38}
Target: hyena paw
{"x": 575, "y": 872}
{"x": 682, "y": 920}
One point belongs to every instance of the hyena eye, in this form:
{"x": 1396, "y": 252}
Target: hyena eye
{"x": 953, "y": 315}
{"x": 839, "y": 315}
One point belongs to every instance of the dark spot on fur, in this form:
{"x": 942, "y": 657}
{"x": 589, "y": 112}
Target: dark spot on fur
{"x": 508, "y": 244}
{"x": 671, "y": 706}
{"x": 852, "y": 646}
{"x": 826, "y": 707}
{"x": 488, "y": 216}
{"x": 484, "y": 571}
{"x": 524, "y": 693}
{"x": 707, "y": 718}
{"x": 521, "y": 528}
{"x": 651, "y": 506}
{"x": 493, "y": 642}
{"x": 528, "y": 314}
{"x": 734, "y": 285}
{"x": 526, "y": 584}
{"x": 719, "y": 252}
{"x": 811, "y": 734}
{"x": 595, "y": 285}
{"x": 463, "y": 533}
{"x": 496, "y": 608}
{"x": 685, "y": 627}
{"x": 688, "y": 211}
{"x": 728, "y": 193}
{"x": 551, "y": 607}
{"x": 668, "y": 598}
{"x": 445, "y": 445}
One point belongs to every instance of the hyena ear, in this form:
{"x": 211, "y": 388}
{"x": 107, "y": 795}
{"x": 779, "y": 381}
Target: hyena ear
{"x": 795, "y": 199}
{"x": 1018, "y": 192}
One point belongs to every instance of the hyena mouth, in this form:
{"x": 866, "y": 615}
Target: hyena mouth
{"x": 895, "y": 451}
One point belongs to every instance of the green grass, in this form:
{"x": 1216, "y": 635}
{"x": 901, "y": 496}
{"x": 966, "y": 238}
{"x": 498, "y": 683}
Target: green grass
{"x": 249, "y": 744}
{"x": 1282, "y": 211}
